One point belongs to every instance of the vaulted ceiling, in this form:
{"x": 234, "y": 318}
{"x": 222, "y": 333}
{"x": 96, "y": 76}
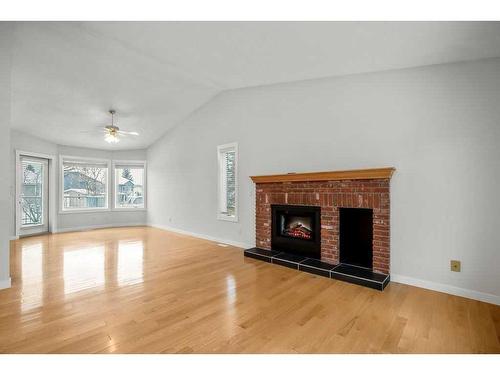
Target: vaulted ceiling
{"x": 67, "y": 75}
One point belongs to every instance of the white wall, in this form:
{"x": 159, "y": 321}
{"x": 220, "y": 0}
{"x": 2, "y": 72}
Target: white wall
{"x": 438, "y": 125}
{"x": 5, "y": 110}
{"x": 75, "y": 221}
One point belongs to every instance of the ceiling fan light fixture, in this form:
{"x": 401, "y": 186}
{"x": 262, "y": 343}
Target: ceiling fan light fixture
{"x": 113, "y": 132}
{"x": 111, "y": 138}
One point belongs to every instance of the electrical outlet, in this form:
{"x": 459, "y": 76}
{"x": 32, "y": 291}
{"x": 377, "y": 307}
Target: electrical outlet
{"x": 455, "y": 265}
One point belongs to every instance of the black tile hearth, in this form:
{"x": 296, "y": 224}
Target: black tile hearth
{"x": 288, "y": 260}
{"x": 316, "y": 267}
{"x": 261, "y": 254}
{"x": 343, "y": 272}
{"x": 360, "y": 276}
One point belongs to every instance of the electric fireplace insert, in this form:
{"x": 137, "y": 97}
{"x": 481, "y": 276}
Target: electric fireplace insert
{"x": 296, "y": 230}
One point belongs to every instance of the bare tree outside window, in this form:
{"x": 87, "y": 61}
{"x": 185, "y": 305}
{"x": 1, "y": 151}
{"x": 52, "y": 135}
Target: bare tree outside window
{"x": 127, "y": 175}
{"x": 31, "y": 195}
{"x": 228, "y": 182}
{"x": 84, "y": 186}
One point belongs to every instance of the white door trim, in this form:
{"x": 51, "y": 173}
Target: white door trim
{"x": 52, "y": 187}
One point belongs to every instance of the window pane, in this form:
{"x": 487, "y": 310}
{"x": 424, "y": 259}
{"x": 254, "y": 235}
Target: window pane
{"x": 31, "y": 193}
{"x": 84, "y": 186}
{"x": 129, "y": 187}
{"x": 230, "y": 182}
{"x": 227, "y": 181}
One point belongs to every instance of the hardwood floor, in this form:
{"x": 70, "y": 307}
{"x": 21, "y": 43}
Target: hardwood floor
{"x": 144, "y": 290}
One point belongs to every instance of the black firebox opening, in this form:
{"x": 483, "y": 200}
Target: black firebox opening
{"x": 297, "y": 230}
{"x": 356, "y": 236}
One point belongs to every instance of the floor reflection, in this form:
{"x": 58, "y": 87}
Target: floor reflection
{"x": 83, "y": 269}
{"x": 230, "y": 311}
{"x": 130, "y": 262}
{"x": 32, "y": 276}
{"x": 50, "y": 266}
{"x": 230, "y": 289}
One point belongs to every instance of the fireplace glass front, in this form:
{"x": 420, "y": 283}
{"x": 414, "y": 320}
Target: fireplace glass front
{"x": 296, "y": 229}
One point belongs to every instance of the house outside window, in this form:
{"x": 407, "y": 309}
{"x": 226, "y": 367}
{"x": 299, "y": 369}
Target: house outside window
{"x": 130, "y": 185}
{"x": 84, "y": 184}
{"x": 227, "y": 156}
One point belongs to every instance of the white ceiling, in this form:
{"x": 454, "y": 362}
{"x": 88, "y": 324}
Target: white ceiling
{"x": 67, "y": 75}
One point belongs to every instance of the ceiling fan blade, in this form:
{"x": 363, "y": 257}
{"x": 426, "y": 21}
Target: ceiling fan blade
{"x": 95, "y": 131}
{"x": 127, "y": 133}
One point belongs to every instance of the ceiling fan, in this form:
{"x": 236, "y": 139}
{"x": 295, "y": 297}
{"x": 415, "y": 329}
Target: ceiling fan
{"x": 112, "y": 132}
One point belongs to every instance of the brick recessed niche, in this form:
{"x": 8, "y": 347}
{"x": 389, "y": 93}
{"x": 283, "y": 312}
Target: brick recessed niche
{"x": 368, "y": 188}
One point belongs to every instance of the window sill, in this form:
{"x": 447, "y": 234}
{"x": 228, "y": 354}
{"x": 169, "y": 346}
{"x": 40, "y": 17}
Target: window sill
{"x": 31, "y": 226}
{"x": 129, "y": 209}
{"x": 64, "y": 212}
{"x": 227, "y": 218}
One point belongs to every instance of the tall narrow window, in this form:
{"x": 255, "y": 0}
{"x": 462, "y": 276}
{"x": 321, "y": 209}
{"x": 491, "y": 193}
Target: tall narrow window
{"x": 84, "y": 184}
{"x": 130, "y": 185}
{"x": 228, "y": 182}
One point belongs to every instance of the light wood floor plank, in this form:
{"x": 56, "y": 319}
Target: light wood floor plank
{"x": 144, "y": 290}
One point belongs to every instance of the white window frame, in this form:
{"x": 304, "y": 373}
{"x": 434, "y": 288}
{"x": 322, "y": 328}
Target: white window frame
{"x": 52, "y": 205}
{"x": 63, "y": 210}
{"x": 139, "y": 163}
{"x": 220, "y": 191}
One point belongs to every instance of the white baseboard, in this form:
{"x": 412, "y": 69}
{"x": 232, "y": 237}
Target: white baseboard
{"x": 203, "y": 236}
{"x": 101, "y": 226}
{"x": 445, "y": 288}
{"x": 13, "y": 238}
{"x": 4, "y": 284}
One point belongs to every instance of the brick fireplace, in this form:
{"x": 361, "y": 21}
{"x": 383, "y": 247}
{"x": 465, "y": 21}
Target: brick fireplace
{"x": 331, "y": 191}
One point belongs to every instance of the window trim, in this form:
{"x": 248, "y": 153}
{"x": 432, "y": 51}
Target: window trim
{"x": 52, "y": 201}
{"x": 220, "y": 150}
{"x": 62, "y": 210}
{"x": 141, "y": 163}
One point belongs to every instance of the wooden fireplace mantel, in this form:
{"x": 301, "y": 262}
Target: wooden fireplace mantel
{"x": 355, "y": 174}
